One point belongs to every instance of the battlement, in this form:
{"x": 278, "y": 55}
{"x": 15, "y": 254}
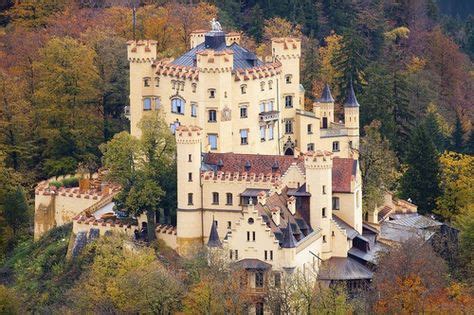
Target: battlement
{"x": 318, "y": 160}
{"x": 215, "y": 61}
{"x": 255, "y": 73}
{"x": 232, "y": 177}
{"x": 165, "y": 68}
{"x": 232, "y": 37}
{"x": 286, "y": 48}
{"x": 196, "y": 37}
{"x": 142, "y": 50}
{"x": 188, "y": 134}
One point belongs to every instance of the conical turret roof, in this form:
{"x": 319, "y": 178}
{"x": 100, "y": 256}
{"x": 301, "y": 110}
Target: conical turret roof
{"x": 351, "y": 100}
{"x": 214, "y": 240}
{"x": 289, "y": 240}
{"x": 326, "y": 96}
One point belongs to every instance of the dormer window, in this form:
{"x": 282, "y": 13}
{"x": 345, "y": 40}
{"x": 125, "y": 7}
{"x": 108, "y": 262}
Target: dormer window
{"x": 212, "y": 93}
{"x": 146, "y": 82}
{"x": 288, "y": 78}
{"x": 243, "y": 89}
{"x": 262, "y": 86}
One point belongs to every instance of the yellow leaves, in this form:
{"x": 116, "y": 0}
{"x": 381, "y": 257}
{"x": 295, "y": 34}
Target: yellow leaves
{"x": 326, "y": 54}
{"x": 416, "y": 64}
{"x": 397, "y": 33}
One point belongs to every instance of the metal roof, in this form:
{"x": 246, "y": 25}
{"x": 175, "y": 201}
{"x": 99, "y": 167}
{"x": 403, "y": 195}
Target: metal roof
{"x": 253, "y": 263}
{"x": 416, "y": 221}
{"x": 351, "y": 100}
{"x": 343, "y": 268}
{"x": 214, "y": 240}
{"x": 326, "y": 96}
{"x": 351, "y": 233}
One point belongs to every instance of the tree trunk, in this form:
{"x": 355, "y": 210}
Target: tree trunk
{"x": 151, "y": 225}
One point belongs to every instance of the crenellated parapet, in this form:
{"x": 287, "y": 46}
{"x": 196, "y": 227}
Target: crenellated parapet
{"x": 266, "y": 71}
{"x": 318, "y": 160}
{"x": 142, "y": 51}
{"x": 165, "y": 68}
{"x": 233, "y": 177}
{"x": 211, "y": 61}
{"x": 188, "y": 134}
{"x": 286, "y": 48}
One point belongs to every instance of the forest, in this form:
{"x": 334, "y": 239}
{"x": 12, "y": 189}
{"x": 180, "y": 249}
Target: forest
{"x": 64, "y": 86}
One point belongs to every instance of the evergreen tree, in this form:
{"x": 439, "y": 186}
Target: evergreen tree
{"x": 420, "y": 182}
{"x": 350, "y": 61}
{"x": 470, "y": 143}
{"x": 310, "y": 71}
{"x": 15, "y": 208}
{"x": 457, "y": 140}
{"x": 434, "y": 130}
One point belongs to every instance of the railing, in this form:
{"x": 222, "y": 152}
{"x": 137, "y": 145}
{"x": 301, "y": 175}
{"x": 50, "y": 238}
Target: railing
{"x": 269, "y": 116}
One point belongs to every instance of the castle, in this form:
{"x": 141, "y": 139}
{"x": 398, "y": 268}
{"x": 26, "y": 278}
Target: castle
{"x": 273, "y": 187}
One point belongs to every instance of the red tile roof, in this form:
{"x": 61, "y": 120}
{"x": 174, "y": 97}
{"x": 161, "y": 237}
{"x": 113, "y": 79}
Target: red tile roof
{"x": 342, "y": 171}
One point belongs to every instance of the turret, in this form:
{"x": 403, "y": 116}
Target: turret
{"x": 351, "y": 117}
{"x": 326, "y": 107}
{"x": 188, "y": 147}
{"x": 196, "y": 38}
{"x": 318, "y": 167}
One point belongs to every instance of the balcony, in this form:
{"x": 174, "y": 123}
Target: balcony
{"x": 269, "y": 116}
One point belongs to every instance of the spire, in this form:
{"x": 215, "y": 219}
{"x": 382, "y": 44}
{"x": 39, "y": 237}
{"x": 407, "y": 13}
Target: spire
{"x": 351, "y": 100}
{"x": 289, "y": 240}
{"x": 326, "y": 96}
{"x": 214, "y": 240}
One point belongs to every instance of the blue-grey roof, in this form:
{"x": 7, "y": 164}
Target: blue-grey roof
{"x": 243, "y": 59}
{"x": 351, "y": 100}
{"x": 214, "y": 240}
{"x": 343, "y": 268}
{"x": 350, "y": 231}
{"x": 326, "y": 96}
{"x": 289, "y": 240}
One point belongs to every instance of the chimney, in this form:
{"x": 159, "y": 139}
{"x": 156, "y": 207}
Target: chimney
{"x": 291, "y": 204}
{"x": 247, "y": 166}
{"x": 276, "y": 216}
{"x": 262, "y": 198}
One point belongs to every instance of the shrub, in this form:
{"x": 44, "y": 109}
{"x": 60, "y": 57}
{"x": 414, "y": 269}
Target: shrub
{"x": 70, "y": 182}
{"x": 55, "y": 183}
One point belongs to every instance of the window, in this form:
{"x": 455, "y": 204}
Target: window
{"x": 288, "y": 126}
{"x": 270, "y": 132}
{"x": 270, "y": 106}
{"x": 177, "y": 106}
{"x": 324, "y": 238}
{"x": 212, "y": 141}
{"x": 244, "y": 136}
{"x": 253, "y": 236}
{"x": 310, "y": 147}
{"x": 212, "y": 115}
{"x": 335, "y": 146}
{"x": 324, "y": 189}
{"x": 190, "y": 199}
{"x": 236, "y": 254}
{"x": 262, "y": 86}
{"x": 147, "y": 103}
{"x": 229, "y": 224}
{"x": 146, "y": 82}
{"x": 194, "y": 110}
{"x": 259, "y": 279}
{"x": 190, "y": 157}
{"x": 265, "y": 256}
{"x": 243, "y": 89}
{"x": 335, "y": 203}
{"x": 157, "y": 103}
{"x": 262, "y": 107}
{"x": 288, "y": 78}
{"x": 229, "y": 200}
{"x": 212, "y": 93}
{"x": 215, "y": 198}
{"x": 288, "y": 101}
{"x": 190, "y": 177}
{"x": 350, "y": 145}
{"x": 270, "y": 85}
{"x": 271, "y": 255}
{"x": 230, "y": 253}
{"x": 262, "y": 133}
{"x": 243, "y": 112}
{"x": 157, "y": 81}
{"x": 268, "y": 255}
{"x": 248, "y": 236}
{"x": 309, "y": 127}
{"x": 259, "y": 309}
{"x": 193, "y": 87}
{"x": 277, "y": 279}
{"x": 323, "y": 212}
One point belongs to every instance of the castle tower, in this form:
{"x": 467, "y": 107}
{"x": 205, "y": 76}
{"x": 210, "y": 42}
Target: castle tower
{"x": 141, "y": 55}
{"x": 326, "y": 107}
{"x": 351, "y": 117}
{"x": 215, "y": 65}
{"x": 319, "y": 183}
{"x": 188, "y": 146}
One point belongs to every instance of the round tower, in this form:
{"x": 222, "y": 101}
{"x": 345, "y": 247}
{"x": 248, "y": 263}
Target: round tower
{"x": 189, "y": 212}
{"x": 318, "y": 167}
{"x": 351, "y": 118}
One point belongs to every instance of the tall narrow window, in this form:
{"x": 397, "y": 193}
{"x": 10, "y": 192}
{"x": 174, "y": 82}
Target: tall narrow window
{"x": 335, "y": 203}
{"x": 215, "y": 198}
{"x": 271, "y": 255}
{"x": 277, "y": 279}
{"x": 288, "y": 126}
{"x": 190, "y": 199}
{"x": 248, "y": 236}
{"x": 262, "y": 86}
{"x": 190, "y": 157}
{"x": 243, "y": 112}
{"x": 212, "y": 138}
{"x": 265, "y": 256}
{"x": 253, "y": 236}
{"x": 270, "y": 132}
{"x": 262, "y": 107}
{"x": 288, "y": 101}
{"x": 177, "y": 106}
{"x": 193, "y": 110}
{"x": 193, "y": 87}
{"x": 259, "y": 277}
{"x": 146, "y": 82}
{"x": 190, "y": 177}
{"x": 262, "y": 133}
{"x": 270, "y": 106}
{"x": 157, "y": 103}
{"x": 157, "y": 81}
{"x": 147, "y": 103}
{"x": 243, "y": 89}
{"x": 324, "y": 189}
{"x": 309, "y": 127}
{"x": 323, "y": 212}
{"x": 288, "y": 78}
{"x": 270, "y": 85}
{"x": 229, "y": 199}
{"x": 335, "y": 146}
{"x": 243, "y": 136}
{"x": 212, "y": 115}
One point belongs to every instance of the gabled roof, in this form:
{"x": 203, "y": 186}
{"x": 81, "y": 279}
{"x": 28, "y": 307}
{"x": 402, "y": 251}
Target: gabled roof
{"x": 343, "y": 268}
{"x": 253, "y": 264}
{"x": 214, "y": 240}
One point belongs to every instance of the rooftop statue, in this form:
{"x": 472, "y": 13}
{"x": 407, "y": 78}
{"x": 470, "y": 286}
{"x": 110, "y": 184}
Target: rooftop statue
{"x": 215, "y": 26}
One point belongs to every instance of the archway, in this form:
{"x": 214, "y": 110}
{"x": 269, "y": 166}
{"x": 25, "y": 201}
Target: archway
{"x": 289, "y": 151}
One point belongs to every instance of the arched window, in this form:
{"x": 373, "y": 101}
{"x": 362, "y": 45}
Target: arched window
{"x": 193, "y": 87}
{"x": 270, "y": 85}
{"x": 177, "y": 105}
{"x": 262, "y": 86}
{"x": 243, "y": 89}
{"x": 146, "y": 82}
